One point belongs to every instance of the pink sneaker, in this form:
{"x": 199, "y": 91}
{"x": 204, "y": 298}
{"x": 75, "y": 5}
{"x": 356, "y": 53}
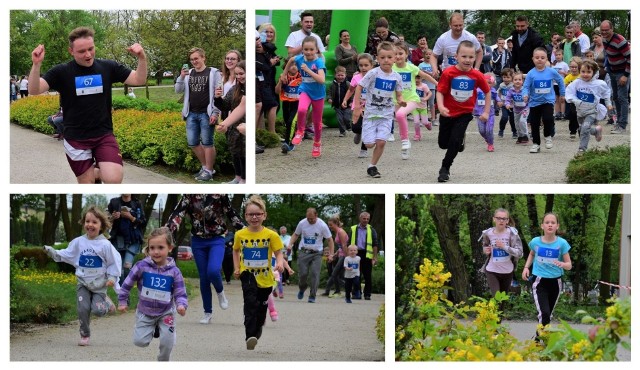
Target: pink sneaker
{"x": 274, "y": 316}
{"x": 281, "y": 296}
{"x": 417, "y": 137}
{"x": 598, "y": 133}
{"x": 297, "y": 138}
{"x": 84, "y": 341}
{"x": 316, "y": 151}
{"x": 428, "y": 125}
{"x": 490, "y": 148}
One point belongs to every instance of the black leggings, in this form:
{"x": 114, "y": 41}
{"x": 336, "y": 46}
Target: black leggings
{"x": 546, "y": 292}
{"x": 542, "y": 112}
{"x": 239, "y": 166}
{"x": 255, "y": 305}
{"x": 451, "y": 136}
{"x": 289, "y": 111}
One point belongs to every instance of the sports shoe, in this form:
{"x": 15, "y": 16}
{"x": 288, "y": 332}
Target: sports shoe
{"x": 357, "y": 295}
{"x": 274, "y": 316}
{"x": 428, "y": 125}
{"x": 417, "y": 137}
{"x": 84, "y": 341}
{"x": 363, "y": 153}
{"x": 490, "y": 148}
{"x": 234, "y": 181}
{"x": 618, "y": 130}
{"x": 206, "y": 318}
{"x": 404, "y": 153}
{"x": 312, "y": 300}
{"x": 500, "y": 133}
{"x": 308, "y": 135}
{"x": 297, "y": 138}
{"x": 316, "y": 150}
{"x": 524, "y": 140}
{"x": 391, "y": 138}
{"x": 519, "y": 141}
{"x": 251, "y": 343}
{"x": 598, "y": 132}
{"x": 356, "y": 138}
{"x": 325, "y": 294}
{"x": 514, "y": 136}
{"x": 548, "y": 142}
{"x": 406, "y": 144}
{"x": 435, "y": 122}
{"x": 281, "y": 295}
{"x": 443, "y": 175}
{"x": 464, "y": 138}
{"x": 580, "y": 152}
{"x": 367, "y": 298}
{"x": 199, "y": 172}
{"x": 300, "y": 294}
{"x": 285, "y": 148}
{"x": 109, "y": 302}
{"x": 205, "y": 175}
{"x": 341, "y": 134}
{"x": 373, "y": 172}
{"x": 335, "y": 295}
{"x": 348, "y": 300}
{"x": 222, "y": 299}
{"x": 572, "y": 136}
{"x": 535, "y": 148}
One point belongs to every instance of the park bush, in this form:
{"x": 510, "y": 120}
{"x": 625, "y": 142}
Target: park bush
{"x": 267, "y": 139}
{"x": 147, "y": 137}
{"x": 432, "y": 328}
{"x": 610, "y": 166}
{"x": 125, "y": 102}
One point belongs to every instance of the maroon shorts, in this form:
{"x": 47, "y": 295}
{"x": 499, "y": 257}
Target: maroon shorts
{"x": 82, "y": 154}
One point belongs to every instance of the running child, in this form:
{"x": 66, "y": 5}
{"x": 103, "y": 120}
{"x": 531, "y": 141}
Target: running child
{"x": 312, "y": 92}
{"x": 289, "y": 92}
{"x": 409, "y": 73}
{"x": 380, "y": 84}
{"x": 506, "y": 114}
{"x": 428, "y": 69}
{"x": 585, "y": 93}
{"x": 365, "y": 63}
{"x": 486, "y": 128}
{"x": 514, "y": 102}
{"x": 351, "y": 272}
{"x": 420, "y": 115}
{"x": 337, "y": 91}
{"x": 574, "y": 74}
{"x": 538, "y": 94}
{"x": 98, "y": 266}
{"x": 563, "y": 69}
{"x": 161, "y": 293}
{"x": 252, "y": 250}
{"x": 551, "y": 255}
{"x": 456, "y": 98}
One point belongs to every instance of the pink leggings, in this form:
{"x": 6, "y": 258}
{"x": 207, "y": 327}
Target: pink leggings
{"x": 317, "y": 107}
{"x": 401, "y": 117}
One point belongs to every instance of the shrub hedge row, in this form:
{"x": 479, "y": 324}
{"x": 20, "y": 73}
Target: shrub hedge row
{"x": 148, "y": 133}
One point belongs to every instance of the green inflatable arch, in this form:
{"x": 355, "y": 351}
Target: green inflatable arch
{"x": 356, "y": 21}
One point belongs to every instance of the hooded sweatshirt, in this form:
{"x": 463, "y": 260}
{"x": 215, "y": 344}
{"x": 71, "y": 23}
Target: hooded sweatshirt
{"x": 96, "y": 261}
{"x": 586, "y": 95}
{"x": 160, "y": 288}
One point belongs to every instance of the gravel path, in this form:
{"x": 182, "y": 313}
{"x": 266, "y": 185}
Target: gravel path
{"x": 509, "y": 164}
{"x": 304, "y": 332}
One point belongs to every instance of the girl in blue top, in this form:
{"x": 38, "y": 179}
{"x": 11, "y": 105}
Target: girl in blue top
{"x": 312, "y": 91}
{"x": 551, "y": 255}
{"x": 539, "y": 94}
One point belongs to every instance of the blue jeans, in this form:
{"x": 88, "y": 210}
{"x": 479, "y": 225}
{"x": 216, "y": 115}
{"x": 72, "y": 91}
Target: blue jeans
{"x": 621, "y": 98}
{"x": 199, "y": 131}
{"x": 128, "y": 253}
{"x": 209, "y": 254}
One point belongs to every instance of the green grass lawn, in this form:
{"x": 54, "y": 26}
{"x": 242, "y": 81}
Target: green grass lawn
{"x": 159, "y": 94}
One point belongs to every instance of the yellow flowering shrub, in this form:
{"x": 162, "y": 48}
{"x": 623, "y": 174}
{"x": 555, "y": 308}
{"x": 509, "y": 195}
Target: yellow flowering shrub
{"x": 44, "y": 277}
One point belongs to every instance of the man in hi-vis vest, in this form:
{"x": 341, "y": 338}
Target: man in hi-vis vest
{"x": 366, "y": 239}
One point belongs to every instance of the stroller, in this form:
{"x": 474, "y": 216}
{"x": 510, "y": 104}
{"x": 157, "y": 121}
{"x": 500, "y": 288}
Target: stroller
{"x": 56, "y": 121}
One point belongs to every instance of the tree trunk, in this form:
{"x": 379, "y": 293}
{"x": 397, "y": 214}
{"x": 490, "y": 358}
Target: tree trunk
{"x": 64, "y": 215}
{"x": 511, "y": 202}
{"x": 377, "y": 219}
{"x": 607, "y": 245}
{"x": 477, "y": 215}
{"x": 49, "y": 225}
{"x": 548, "y": 206}
{"x": 532, "y": 211}
{"x": 450, "y": 244}
{"x": 237, "y": 203}
{"x": 76, "y": 214}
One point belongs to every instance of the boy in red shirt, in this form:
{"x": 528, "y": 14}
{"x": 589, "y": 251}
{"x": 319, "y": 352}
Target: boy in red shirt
{"x": 456, "y": 96}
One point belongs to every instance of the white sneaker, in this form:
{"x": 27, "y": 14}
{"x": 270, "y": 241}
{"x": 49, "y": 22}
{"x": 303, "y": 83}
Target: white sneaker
{"x": 548, "y": 142}
{"x": 206, "y": 318}
{"x": 363, "y": 153}
{"x": 406, "y": 144}
{"x": 224, "y": 303}
{"x": 391, "y": 138}
{"x": 404, "y": 153}
{"x": 535, "y": 148}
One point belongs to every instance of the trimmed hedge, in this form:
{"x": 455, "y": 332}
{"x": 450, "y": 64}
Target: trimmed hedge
{"x": 148, "y": 133}
{"x": 611, "y": 166}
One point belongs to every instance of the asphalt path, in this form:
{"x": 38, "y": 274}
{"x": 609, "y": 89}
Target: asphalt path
{"x": 328, "y": 330}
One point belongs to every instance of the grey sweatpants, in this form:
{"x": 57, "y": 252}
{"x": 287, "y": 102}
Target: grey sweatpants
{"x": 145, "y": 327}
{"x": 90, "y": 302}
{"x": 587, "y": 128}
{"x": 309, "y": 265}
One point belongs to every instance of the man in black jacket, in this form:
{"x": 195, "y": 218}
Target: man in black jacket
{"x": 127, "y": 231}
{"x": 525, "y": 40}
